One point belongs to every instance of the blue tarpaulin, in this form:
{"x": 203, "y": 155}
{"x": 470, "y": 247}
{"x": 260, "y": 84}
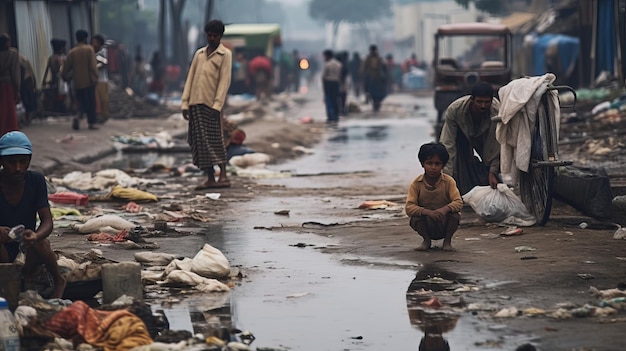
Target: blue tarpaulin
{"x": 568, "y": 49}
{"x": 606, "y": 42}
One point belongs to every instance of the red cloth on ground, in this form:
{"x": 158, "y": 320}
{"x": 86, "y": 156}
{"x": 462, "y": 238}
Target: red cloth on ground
{"x": 8, "y": 114}
{"x": 118, "y": 330}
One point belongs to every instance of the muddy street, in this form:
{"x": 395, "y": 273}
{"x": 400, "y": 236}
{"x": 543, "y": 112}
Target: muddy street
{"x": 313, "y": 271}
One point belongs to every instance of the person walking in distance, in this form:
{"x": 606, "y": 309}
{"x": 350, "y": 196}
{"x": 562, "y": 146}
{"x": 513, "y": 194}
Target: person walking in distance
{"x": 331, "y": 79}
{"x": 102, "y": 87}
{"x": 375, "y": 74}
{"x": 81, "y": 68}
{"x": 203, "y": 99}
{"x": 9, "y": 84}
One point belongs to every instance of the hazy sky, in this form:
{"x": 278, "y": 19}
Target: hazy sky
{"x": 291, "y": 2}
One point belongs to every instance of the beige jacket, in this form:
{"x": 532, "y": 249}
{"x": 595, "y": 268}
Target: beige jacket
{"x": 208, "y": 79}
{"x": 80, "y": 66}
{"x": 482, "y": 140}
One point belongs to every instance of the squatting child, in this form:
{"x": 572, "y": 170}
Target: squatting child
{"x": 434, "y": 202}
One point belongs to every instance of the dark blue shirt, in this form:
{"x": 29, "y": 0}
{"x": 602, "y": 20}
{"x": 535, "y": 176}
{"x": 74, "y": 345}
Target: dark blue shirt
{"x": 35, "y": 197}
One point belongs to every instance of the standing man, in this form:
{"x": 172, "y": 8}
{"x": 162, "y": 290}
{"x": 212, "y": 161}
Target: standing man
{"x": 9, "y": 84}
{"x": 203, "y": 98}
{"x": 331, "y": 79}
{"x": 81, "y": 68}
{"x": 56, "y": 90}
{"x": 468, "y": 128}
{"x": 102, "y": 87}
{"x": 375, "y": 75}
{"x": 23, "y": 198}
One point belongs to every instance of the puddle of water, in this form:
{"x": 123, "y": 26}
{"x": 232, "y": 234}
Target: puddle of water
{"x": 140, "y": 160}
{"x": 300, "y": 298}
{"x": 179, "y": 317}
{"x": 385, "y": 148}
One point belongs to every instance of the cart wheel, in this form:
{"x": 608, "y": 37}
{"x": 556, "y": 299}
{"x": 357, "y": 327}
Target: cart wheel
{"x": 536, "y": 186}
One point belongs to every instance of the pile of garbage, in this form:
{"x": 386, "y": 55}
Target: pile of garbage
{"x": 124, "y": 104}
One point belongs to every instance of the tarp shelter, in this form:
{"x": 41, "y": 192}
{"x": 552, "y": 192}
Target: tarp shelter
{"x": 606, "y": 49}
{"x": 567, "y": 49}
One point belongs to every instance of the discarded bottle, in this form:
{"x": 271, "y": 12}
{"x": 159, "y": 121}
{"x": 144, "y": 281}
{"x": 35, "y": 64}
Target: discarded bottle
{"x": 9, "y": 336}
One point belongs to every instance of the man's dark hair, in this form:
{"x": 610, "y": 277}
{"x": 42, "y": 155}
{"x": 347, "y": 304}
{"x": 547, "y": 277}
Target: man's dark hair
{"x": 214, "y": 26}
{"x": 57, "y": 44}
{"x": 99, "y": 38}
{"x": 482, "y": 89}
{"x": 373, "y": 47}
{"x": 5, "y": 39}
{"x": 328, "y": 53}
{"x": 431, "y": 149}
{"x": 81, "y": 35}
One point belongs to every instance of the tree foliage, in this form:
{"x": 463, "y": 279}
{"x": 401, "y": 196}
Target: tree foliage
{"x": 353, "y": 11}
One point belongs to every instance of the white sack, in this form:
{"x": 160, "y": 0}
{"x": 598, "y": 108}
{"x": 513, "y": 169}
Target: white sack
{"x": 201, "y": 283}
{"x": 498, "y": 205}
{"x": 154, "y": 258}
{"x": 183, "y": 265}
{"x": 94, "y": 224}
{"x": 257, "y": 159}
{"x": 210, "y": 263}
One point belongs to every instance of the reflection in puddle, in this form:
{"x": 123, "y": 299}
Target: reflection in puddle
{"x": 432, "y": 307}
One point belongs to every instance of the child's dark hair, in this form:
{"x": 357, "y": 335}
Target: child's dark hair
{"x": 431, "y": 149}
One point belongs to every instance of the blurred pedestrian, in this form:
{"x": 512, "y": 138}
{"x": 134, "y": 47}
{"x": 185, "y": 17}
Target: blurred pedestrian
{"x": 375, "y": 75}
{"x": 204, "y": 97}
{"x": 28, "y": 90}
{"x": 139, "y": 74}
{"x": 157, "y": 66}
{"x": 296, "y": 71}
{"x": 260, "y": 72}
{"x": 394, "y": 74}
{"x": 55, "y": 89}
{"x": 240, "y": 75}
{"x": 342, "y": 57}
{"x": 355, "y": 74}
{"x": 9, "y": 84}
{"x": 331, "y": 80}
{"x": 102, "y": 87}
{"x": 314, "y": 67}
{"x": 81, "y": 69}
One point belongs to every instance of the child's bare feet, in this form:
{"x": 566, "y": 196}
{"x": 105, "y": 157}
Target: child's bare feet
{"x": 447, "y": 247}
{"x": 424, "y": 247}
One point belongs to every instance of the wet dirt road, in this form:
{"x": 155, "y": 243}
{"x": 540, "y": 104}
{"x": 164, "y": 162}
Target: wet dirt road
{"x": 330, "y": 276}
{"x": 300, "y": 298}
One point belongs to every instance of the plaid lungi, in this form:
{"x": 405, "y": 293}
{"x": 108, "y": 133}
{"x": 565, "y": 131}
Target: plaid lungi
{"x": 205, "y": 137}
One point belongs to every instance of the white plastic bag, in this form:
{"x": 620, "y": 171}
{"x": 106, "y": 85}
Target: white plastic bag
{"x": 499, "y": 205}
{"x": 210, "y": 263}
